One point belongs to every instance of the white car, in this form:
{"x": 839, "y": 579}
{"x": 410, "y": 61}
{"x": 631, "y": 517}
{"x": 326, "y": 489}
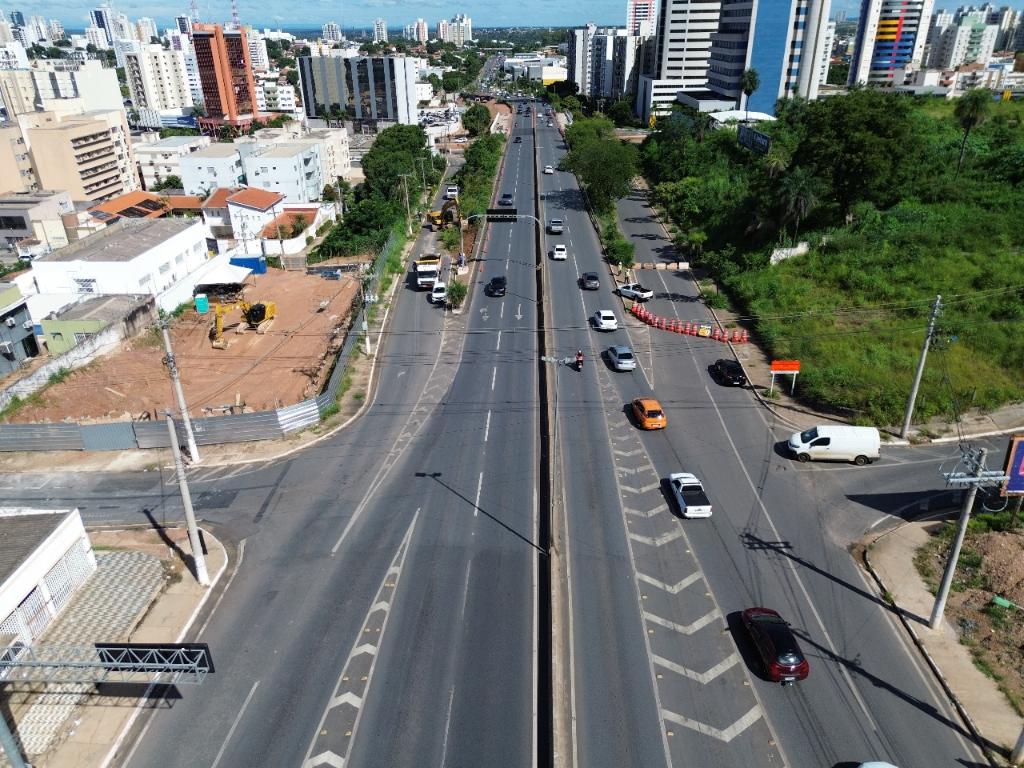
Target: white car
{"x": 548, "y": 170}
{"x": 605, "y": 320}
{"x": 460, "y": 140}
{"x": 690, "y": 496}
{"x": 438, "y": 293}
{"x": 559, "y": 252}
{"x": 634, "y": 291}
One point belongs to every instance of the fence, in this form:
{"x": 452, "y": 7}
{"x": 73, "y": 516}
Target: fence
{"x": 212, "y": 430}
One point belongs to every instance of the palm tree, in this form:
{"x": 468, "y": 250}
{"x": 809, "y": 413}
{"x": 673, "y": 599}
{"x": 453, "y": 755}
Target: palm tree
{"x": 970, "y": 112}
{"x": 798, "y": 192}
{"x": 776, "y": 161}
{"x": 749, "y": 82}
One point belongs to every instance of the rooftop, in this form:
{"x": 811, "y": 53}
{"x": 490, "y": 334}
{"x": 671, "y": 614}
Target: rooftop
{"x": 143, "y": 205}
{"x": 123, "y": 240}
{"x": 21, "y": 535}
{"x": 284, "y": 150}
{"x": 215, "y": 150}
{"x": 219, "y": 198}
{"x": 287, "y": 219}
{"x": 27, "y": 199}
{"x": 170, "y": 142}
{"x": 107, "y": 309}
{"x": 256, "y": 198}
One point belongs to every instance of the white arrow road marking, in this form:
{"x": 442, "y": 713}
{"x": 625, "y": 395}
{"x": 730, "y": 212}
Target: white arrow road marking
{"x": 701, "y": 677}
{"x": 325, "y": 758}
{"x": 366, "y": 648}
{"x": 641, "y": 489}
{"x": 672, "y": 589}
{"x": 687, "y": 629}
{"x": 519, "y": 311}
{"x": 657, "y": 541}
{"x": 649, "y": 513}
{"x": 400, "y": 374}
{"x": 346, "y": 698}
{"x": 381, "y": 606}
{"x": 725, "y": 735}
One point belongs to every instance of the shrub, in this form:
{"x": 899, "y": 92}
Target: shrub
{"x": 457, "y": 293}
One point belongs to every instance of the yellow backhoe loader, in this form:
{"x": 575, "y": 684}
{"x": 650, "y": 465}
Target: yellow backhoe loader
{"x": 450, "y": 213}
{"x": 257, "y": 316}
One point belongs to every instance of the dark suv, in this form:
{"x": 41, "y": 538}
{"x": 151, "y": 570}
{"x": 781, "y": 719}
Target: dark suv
{"x": 783, "y": 660}
{"x": 497, "y": 286}
{"x": 729, "y": 373}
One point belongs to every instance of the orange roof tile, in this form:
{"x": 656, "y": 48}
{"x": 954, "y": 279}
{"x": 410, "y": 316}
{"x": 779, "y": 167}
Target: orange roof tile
{"x": 184, "y": 202}
{"x": 287, "y": 219}
{"x": 256, "y": 198}
{"x": 219, "y": 198}
{"x": 128, "y": 205}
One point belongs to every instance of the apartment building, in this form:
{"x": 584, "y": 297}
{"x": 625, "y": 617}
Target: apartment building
{"x": 17, "y": 337}
{"x": 35, "y": 216}
{"x": 891, "y": 36}
{"x": 460, "y": 30}
{"x": 275, "y": 96}
{"x": 158, "y": 83}
{"x": 226, "y": 76}
{"x": 13, "y": 55}
{"x": 218, "y": 165}
{"x": 292, "y": 169}
{"x": 258, "y": 52}
{"x": 159, "y": 159}
{"x": 64, "y": 87}
{"x": 331, "y": 32}
{"x": 380, "y": 31}
{"x": 641, "y": 17}
{"x": 89, "y": 155}
{"x": 367, "y": 89}
{"x": 16, "y": 171}
{"x": 579, "y": 49}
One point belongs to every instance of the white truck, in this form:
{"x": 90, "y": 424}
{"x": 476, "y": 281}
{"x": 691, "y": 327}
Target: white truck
{"x": 690, "y": 496}
{"x": 427, "y": 268}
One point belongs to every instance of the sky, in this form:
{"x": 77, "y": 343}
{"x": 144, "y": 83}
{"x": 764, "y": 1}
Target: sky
{"x": 313, "y": 13}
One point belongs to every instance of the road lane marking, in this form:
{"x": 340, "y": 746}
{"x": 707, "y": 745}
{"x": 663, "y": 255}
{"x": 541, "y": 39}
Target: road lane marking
{"x": 494, "y": 375}
{"x": 501, "y": 314}
{"x": 487, "y": 427}
{"x": 448, "y": 721}
{"x": 672, "y": 589}
{"x": 701, "y": 677}
{"x": 499, "y": 341}
{"x": 238, "y": 718}
{"x": 658, "y": 541}
{"x": 479, "y": 487}
{"x": 684, "y": 629}
{"x": 726, "y": 735}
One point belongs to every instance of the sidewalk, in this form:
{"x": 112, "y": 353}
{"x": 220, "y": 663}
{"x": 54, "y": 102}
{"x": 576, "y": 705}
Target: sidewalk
{"x": 131, "y": 598}
{"x": 890, "y": 559}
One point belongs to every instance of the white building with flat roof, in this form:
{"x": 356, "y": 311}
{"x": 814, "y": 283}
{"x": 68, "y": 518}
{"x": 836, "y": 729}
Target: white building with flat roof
{"x": 218, "y": 165}
{"x": 160, "y": 159}
{"x": 293, "y": 169}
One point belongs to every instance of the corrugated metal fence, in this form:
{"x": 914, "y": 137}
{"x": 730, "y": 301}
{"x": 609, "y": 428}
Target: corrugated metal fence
{"x": 262, "y": 425}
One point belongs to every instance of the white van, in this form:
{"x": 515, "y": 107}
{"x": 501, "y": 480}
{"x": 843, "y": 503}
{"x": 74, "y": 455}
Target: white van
{"x": 840, "y": 443}
{"x": 439, "y": 293}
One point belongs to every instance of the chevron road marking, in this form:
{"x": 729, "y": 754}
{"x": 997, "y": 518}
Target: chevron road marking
{"x": 627, "y": 454}
{"x": 326, "y": 758}
{"x": 641, "y": 489}
{"x": 650, "y": 513}
{"x": 685, "y": 629}
{"x": 657, "y": 541}
{"x": 367, "y": 648}
{"x": 346, "y": 698}
{"x": 629, "y": 471}
{"x": 701, "y": 677}
{"x": 672, "y": 589}
{"x": 726, "y": 735}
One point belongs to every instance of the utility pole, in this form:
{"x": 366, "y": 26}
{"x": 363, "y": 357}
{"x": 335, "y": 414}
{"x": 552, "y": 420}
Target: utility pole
{"x": 408, "y": 213}
{"x": 977, "y": 477}
{"x": 193, "y": 450}
{"x": 366, "y": 327}
{"x": 936, "y": 308}
{"x": 186, "y": 500}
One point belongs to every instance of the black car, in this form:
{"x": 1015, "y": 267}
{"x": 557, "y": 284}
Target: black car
{"x": 517, "y": 140}
{"x": 590, "y": 281}
{"x": 497, "y": 286}
{"x": 783, "y": 660}
{"x": 506, "y": 199}
{"x": 729, "y": 373}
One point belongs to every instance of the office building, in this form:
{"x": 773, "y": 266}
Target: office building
{"x": 367, "y": 89}
{"x": 891, "y": 35}
{"x": 225, "y": 74}
{"x": 89, "y": 155}
{"x": 157, "y": 82}
{"x": 103, "y": 18}
{"x": 159, "y": 159}
{"x": 641, "y": 17}
{"x": 380, "y": 31}
{"x": 331, "y": 32}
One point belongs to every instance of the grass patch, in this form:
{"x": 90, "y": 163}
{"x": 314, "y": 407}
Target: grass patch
{"x": 61, "y": 374}
{"x": 329, "y": 411}
{"x": 17, "y": 403}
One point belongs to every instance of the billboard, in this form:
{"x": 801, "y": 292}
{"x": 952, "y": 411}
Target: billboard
{"x": 754, "y": 140}
{"x": 1014, "y": 467}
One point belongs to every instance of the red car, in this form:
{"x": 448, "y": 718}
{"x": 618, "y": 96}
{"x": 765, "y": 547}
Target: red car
{"x": 782, "y": 658}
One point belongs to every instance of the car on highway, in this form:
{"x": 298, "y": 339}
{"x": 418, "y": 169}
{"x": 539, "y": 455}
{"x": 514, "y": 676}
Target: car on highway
{"x": 497, "y": 286}
{"x": 517, "y": 140}
{"x": 605, "y": 320}
{"x": 559, "y": 252}
{"x": 550, "y": 124}
{"x": 438, "y": 293}
{"x": 728, "y": 373}
{"x": 621, "y": 358}
{"x": 548, "y": 170}
{"x": 776, "y": 644}
{"x": 555, "y": 227}
{"x": 648, "y": 413}
{"x": 506, "y": 199}
{"x": 634, "y": 291}
{"x": 690, "y": 496}
{"x": 590, "y": 281}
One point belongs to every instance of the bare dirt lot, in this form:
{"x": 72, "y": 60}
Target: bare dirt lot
{"x": 991, "y": 563}
{"x": 263, "y": 371}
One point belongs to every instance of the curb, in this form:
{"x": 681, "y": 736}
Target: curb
{"x": 979, "y": 740}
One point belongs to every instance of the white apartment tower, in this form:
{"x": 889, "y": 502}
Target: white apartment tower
{"x": 157, "y": 79}
{"x": 380, "y": 31}
{"x": 460, "y": 29}
{"x": 331, "y": 32}
{"x": 641, "y": 17}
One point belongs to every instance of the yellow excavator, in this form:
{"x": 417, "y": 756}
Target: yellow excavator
{"x": 450, "y": 213}
{"x": 258, "y": 316}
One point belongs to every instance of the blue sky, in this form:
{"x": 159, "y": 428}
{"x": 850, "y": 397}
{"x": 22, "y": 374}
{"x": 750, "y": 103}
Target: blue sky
{"x": 397, "y": 12}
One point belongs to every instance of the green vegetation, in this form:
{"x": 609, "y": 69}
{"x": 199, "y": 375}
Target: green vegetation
{"x": 457, "y": 293}
{"x": 171, "y": 182}
{"x": 605, "y": 165}
{"x": 399, "y": 154}
{"x": 476, "y": 120}
{"x": 838, "y": 73}
{"x": 58, "y": 376}
{"x": 476, "y": 177}
{"x": 869, "y": 181}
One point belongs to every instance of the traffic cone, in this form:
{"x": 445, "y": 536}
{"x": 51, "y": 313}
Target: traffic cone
{"x": 746, "y": 336}
{"x": 714, "y": 334}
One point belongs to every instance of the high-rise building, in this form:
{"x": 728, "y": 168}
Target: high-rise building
{"x": 1006, "y": 19}
{"x": 96, "y": 36}
{"x": 331, "y": 32}
{"x": 38, "y": 30}
{"x": 641, "y": 17}
{"x": 579, "y": 48}
{"x": 380, "y": 31}
{"x": 103, "y": 17}
{"x": 225, "y": 72}
{"x": 891, "y": 36}
{"x": 61, "y": 87}
{"x": 961, "y": 38}
{"x": 56, "y": 30}
{"x": 184, "y": 25}
{"x": 157, "y": 79}
{"x": 420, "y": 34}
{"x": 258, "y": 51}
{"x": 123, "y": 27}
{"x": 366, "y": 89}
{"x": 12, "y": 56}
{"x": 145, "y": 30}
{"x": 6, "y": 31}
{"x": 17, "y": 19}
{"x": 442, "y": 30}
{"x": 460, "y": 29}
{"x": 839, "y": 16}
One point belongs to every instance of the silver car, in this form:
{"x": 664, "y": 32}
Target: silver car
{"x": 621, "y": 358}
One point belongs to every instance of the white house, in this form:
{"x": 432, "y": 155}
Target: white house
{"x": 130, "y": 256}
{"x": 218, "y": 165}
{"x": 250, "y": 210}
{"x": 160, "y": 159}
{"x": 294, "y": 169}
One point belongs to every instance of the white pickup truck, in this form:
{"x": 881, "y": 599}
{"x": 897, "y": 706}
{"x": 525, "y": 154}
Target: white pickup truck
{"x": 690, "y": 496}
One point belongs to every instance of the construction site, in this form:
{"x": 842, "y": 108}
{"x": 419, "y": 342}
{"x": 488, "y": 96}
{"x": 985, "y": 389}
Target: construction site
{"x": 273, "y": 344}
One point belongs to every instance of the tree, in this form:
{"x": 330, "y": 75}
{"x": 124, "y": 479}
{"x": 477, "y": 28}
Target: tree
{"x": 971, "y": 111}
{"x": 622, "y": 113}
{"x": 838, "y": 73}
{"x": 749, "y": 82}
{"x": 476, "y": 119}
{"x": 299, "y": 224}
{"x": 329, "y": 195}
{"x": 457, "y": 293}
{"x": 292, "y": 76}
{"x": 799, "y": 193}
{"x": 170, "y": 182}
{"x": 605, "y": 165}
{"x": 572, "y": 104}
